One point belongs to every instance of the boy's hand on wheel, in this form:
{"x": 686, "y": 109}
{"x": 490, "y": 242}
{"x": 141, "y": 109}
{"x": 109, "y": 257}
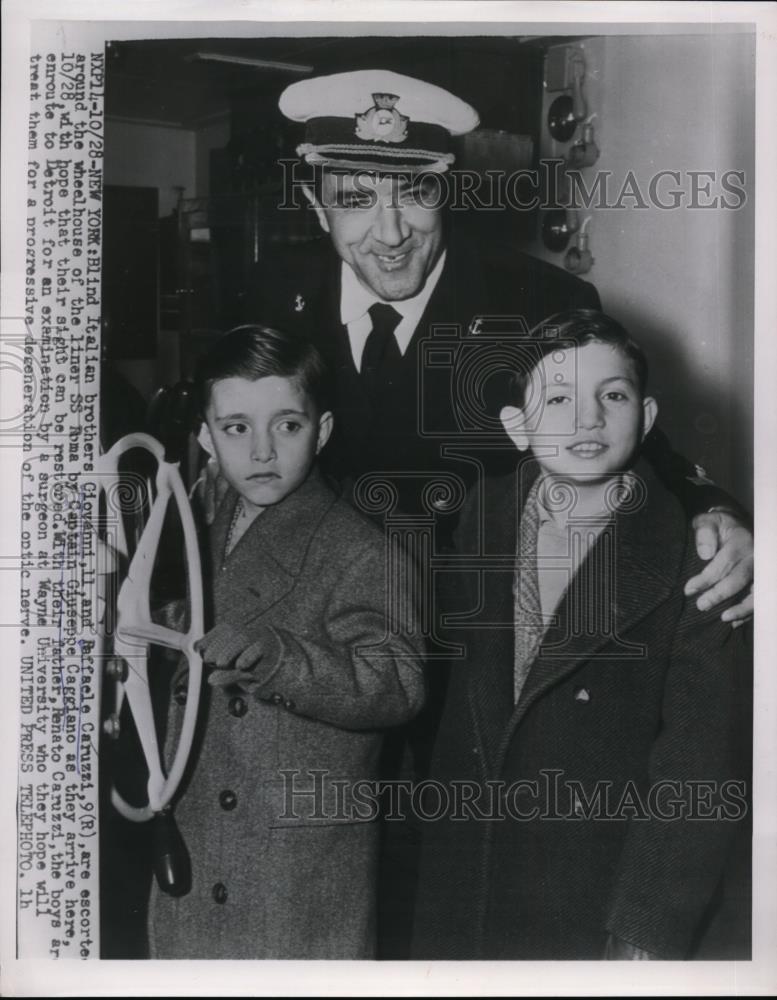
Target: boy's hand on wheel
{"x": 236, "y": 655}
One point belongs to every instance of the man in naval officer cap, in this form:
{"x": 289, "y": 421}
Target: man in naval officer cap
{"x": 390, "y": 270}
{"x": 376, "y": 145}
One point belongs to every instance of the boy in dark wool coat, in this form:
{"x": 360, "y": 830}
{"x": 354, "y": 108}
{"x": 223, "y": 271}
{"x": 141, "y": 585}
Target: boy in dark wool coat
{"x": 588, "y": 758}
{"x": 311, "y": 664}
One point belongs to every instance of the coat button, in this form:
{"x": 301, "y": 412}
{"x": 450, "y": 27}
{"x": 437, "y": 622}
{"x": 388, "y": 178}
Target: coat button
{"x": 290, "y": 705}
{"x": 227, "y": 800}
{"x": 237, "y": 706}
{"x": 219, "y": 893}
{"x": 179, "y": 693}
{"x": 276, "y": 699}
{"x": 582, "y": 694}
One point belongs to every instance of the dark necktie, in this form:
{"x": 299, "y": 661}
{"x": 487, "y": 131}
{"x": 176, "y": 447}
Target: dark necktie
{"x": 381, "y": 349}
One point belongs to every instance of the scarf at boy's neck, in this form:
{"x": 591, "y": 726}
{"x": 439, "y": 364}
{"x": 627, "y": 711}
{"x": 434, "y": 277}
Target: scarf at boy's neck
{"x": 560, "y": 500}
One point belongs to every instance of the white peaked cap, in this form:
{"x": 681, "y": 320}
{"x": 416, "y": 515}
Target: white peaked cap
{"x": 377, "y": 119}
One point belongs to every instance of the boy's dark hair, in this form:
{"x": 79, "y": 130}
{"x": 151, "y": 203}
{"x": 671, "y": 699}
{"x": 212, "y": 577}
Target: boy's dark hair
{"x": 253, "y": 352}
{"x": 576, "y": 328}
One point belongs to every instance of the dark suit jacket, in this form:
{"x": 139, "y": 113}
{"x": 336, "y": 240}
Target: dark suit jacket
{"x": 297, "y": 882}
{"x": 446, "y": 389}
{"x": 430, "y": 397}
{"x": 631, "y": 687}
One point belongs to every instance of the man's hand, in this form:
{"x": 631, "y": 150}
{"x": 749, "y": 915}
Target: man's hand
{"x": 211, "y": 488}
{"x": 728, "y": 545}
{"x": 236, "y": 656}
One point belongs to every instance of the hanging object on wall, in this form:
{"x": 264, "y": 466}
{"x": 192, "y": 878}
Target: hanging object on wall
{"x": 567, "y": 110}
{"x": 558, "y": 225}
{"x": 561, "y": 120}
{"x": 579, "y": 108}
{"x": 565, "y": 69}
{"x": 584, "y": 152}
{"x": 578, "y": 259}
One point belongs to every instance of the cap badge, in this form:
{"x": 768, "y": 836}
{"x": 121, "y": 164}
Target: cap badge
{"x": 382, "y": 122}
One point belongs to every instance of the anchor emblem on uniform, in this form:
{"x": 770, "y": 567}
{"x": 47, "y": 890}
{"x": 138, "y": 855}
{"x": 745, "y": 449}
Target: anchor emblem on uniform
{"x": 382, "y": 122}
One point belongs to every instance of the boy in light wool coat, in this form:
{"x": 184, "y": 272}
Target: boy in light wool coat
{"x": 311, "y": 665}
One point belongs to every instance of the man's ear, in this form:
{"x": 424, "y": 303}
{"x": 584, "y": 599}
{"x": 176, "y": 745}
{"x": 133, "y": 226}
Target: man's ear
{"x": 325, "y": 424}
{"x": 649, "y": 414}
{"x": 205, "y": 440}
{"x": 320, "y": 214}
{"x": 514, "y": 422}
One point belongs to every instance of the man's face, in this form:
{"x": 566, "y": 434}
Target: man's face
{"x": 585, "y": 416}
{"x": 265, "y": 434}
{"x": 381, "y": 227}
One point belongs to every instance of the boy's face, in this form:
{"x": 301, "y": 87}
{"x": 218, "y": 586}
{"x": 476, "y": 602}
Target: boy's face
{"x": 266, "y": 434}
{"x": 584, "y": 416}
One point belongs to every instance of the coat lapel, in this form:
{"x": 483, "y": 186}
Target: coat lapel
{"x": 266, "y": 562}
{"x": 491, "y": 681}
{"x": 632, "y": 568}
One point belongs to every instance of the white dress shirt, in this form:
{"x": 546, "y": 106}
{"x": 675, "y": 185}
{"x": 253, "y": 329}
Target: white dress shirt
{"x": 355, "y": 300}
